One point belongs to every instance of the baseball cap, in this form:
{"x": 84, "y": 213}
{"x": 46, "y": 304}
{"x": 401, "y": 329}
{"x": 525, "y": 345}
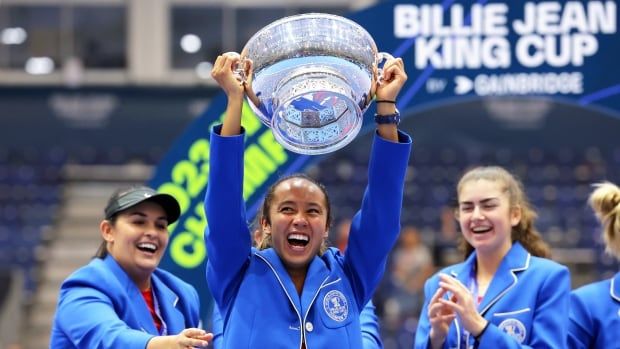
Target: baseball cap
{"x": 124, "y": 199}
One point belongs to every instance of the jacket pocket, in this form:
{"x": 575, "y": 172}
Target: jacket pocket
{"x": 515, "y": 323}
{"x": 335, "y": 309}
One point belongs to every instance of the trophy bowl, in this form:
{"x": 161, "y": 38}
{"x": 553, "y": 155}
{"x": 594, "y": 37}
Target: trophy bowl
{"x": 314, "y": 75}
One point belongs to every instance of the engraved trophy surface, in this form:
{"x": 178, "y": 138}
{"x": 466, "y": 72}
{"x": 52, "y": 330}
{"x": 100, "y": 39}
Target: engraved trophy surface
{"x": 313, "y": 74}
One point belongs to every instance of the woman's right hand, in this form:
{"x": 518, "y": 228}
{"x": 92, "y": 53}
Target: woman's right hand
{"x": 440, "y": 317}
{"x": 223, "y": 73}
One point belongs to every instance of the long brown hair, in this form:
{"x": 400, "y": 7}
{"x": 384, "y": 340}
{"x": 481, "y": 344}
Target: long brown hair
{"x": 263, "y": 214}
{"x": 524, "y": 232}
{"x": 605, "y": 201}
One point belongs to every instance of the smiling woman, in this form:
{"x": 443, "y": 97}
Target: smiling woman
{"x": 293, "y": 292}
{"x": 506, "y": 293}
{"x": 121, "y": 299}
{"x": 279, "y": 205}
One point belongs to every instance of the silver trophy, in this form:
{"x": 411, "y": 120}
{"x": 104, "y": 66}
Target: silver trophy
{"x": 314, "y": 76}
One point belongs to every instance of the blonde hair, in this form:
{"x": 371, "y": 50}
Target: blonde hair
{"x": 605, "y": 201}
{"x": 524, "y": 231}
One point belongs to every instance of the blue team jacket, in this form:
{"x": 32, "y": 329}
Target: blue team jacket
{"x": 595, "y": 315}
{"x": 101, "y": 307}
{"x": 526, "y": 303}
{"x": 252, "y": 289}
{"x": 369, "y": 324}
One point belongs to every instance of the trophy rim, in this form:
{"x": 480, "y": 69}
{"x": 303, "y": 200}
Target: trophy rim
{"x": 311, "y": 15}
{"x": 245, "y": 52}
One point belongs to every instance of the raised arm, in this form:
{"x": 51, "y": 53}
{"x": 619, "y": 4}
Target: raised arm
{"x": 222, "y": 72}
{"x": 227, "y": 235}
{"x": 394, "y": 77}
{"x": 375, "y": 228}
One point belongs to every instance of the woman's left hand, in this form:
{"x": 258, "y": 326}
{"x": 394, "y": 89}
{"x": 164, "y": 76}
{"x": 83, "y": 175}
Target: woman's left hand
{"x": 394, "y": 77}
{"x": 462, "y": 303}
{"x": 191, "y": 338}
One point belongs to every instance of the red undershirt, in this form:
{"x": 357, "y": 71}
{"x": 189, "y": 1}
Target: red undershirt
{"x": 148, "y": 297}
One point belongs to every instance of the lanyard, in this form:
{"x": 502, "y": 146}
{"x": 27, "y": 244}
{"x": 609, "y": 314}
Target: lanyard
{"x": 465, "y": 340}
{"x": 164, "y": 329}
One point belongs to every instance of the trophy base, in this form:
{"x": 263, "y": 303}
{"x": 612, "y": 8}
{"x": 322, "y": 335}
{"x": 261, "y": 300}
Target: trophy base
{"x": 318, "y": 114}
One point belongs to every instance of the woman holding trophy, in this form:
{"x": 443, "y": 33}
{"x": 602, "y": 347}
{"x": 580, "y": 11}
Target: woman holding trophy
{"x": 292, "y": 291}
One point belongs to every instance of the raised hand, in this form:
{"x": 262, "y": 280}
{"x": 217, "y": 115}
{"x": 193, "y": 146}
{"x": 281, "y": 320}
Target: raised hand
{"x": 223, "y": 73}
{"x": 394, "y": 77}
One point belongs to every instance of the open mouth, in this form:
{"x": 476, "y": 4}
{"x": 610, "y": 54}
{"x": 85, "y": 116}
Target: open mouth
{"x": 147, "y": 247}
{"x": 298, "y": 240}
{"x": 481, "y": 230}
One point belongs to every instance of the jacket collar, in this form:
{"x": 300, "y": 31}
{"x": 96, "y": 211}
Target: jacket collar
{"x": 275, "y": 264}
{"x": 166, "y": 298}
{"x": 517, "y": 259}
{"x": 120, "y": 274}
{"x": 315, "y": 278}
{"x": 615, "y": 287}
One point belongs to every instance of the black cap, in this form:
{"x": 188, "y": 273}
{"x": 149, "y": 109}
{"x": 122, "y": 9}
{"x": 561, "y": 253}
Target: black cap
{"x": 125, "y": 199}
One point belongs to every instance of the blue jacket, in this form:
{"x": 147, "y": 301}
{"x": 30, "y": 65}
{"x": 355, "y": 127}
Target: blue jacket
{"x": 101, "y": 307}
{"x": 526, "y": 303}
{"x": 369, "y": 323}
{"x": 595, "y": 315}
{"x": 252, "y": 289}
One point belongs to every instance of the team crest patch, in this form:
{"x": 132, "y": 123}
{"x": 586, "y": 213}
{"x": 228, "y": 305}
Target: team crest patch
{"x": 335, "y": 305}
{"x": 514, "y": 328}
